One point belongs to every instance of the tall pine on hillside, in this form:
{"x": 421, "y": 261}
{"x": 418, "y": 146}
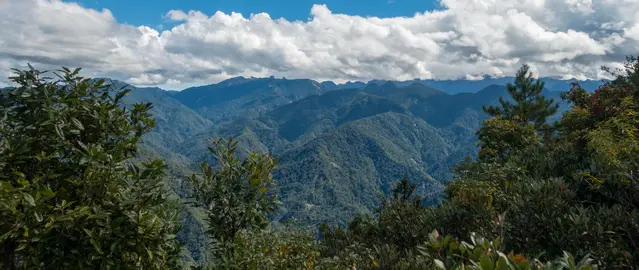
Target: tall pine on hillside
{"x": 517, "y": 126}
{"x": 530, "y": 105}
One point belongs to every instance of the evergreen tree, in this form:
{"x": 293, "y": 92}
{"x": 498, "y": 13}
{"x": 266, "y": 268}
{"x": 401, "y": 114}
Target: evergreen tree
{"x": 69, "y": 198}
{"x": 530, "y": 105}
{"x": 515, "y": 126}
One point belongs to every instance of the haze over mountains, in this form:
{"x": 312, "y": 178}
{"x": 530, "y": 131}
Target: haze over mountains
{"x": 339, "y": 145}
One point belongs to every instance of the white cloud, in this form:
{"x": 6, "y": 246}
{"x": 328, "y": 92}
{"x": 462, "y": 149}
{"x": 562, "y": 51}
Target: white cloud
{"x": 632, "y": 32}
{"x": 147, "y": 79}
{"x": 176, "y": 15}
{"x": 172, "y": 81}
{"x": 465, "y": 39}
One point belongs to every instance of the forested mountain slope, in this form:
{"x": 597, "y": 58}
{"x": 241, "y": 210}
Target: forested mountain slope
{"x": 339, "y": 150}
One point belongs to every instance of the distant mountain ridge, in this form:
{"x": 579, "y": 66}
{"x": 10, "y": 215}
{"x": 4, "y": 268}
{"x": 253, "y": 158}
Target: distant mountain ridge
{"x": 448, "y": 86}
{"x": 472, "y": 86}
{"x": 453, "y": 86}
{"x": 248, "y": 98}
{"x": 242, "y": 98}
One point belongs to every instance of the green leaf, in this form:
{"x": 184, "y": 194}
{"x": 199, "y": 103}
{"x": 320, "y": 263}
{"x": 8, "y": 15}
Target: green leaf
{"x": 82, "y": 145}
{"x": 486, "y": 263}
{"x": 38, "y": 216}
{"x": 21, "y": 247}
{"x": 96, "y": 246}
{"x": 58, "y": 131}
{"x": 47, "y": 192}
{"x": 77, "y": 123}
{"x": 29, "y": 199}
{"x": 503, "y": 264}
{"x": 439, "y": 264}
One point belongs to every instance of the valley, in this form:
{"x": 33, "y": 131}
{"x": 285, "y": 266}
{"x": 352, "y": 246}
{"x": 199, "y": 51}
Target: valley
{"x": 339, "y": 148}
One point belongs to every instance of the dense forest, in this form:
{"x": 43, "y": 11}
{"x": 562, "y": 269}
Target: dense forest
{"x": 551, "y": 187}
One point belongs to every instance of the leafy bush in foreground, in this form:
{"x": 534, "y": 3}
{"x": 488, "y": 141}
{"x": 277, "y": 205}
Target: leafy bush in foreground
{"x": 68, "y": 196}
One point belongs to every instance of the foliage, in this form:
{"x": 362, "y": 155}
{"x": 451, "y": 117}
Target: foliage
{"x": 69, "y": 198}
{"x": 269, "y": 249}
{"x": 448, "y": 253}
{"x": 238, "y": 196}
{"x": 499, "y": 137}
{"x": 530, "y": 105}
{"x": 574, "y": 189}
{"x": 399, "y": 239}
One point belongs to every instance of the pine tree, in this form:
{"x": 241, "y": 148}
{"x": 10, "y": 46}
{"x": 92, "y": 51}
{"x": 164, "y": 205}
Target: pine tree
{"x": 530, "y": 105}
{"x": 517, "y": 126}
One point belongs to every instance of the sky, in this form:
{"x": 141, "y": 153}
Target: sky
{"x": 127, "y": 11}
{"x": 174, "y": 44}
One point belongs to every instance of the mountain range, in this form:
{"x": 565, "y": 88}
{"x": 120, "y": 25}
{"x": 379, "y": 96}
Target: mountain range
{"x": 340, "y": 146}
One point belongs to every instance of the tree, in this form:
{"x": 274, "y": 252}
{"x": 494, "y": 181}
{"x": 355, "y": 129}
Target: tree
{"x": 499, "y": 138}
{"x": 237, "y": 197}
{"x": 530, "y": 105}
{"x": 69, "y": 195}
{"x": 516, "y": 126}
{"x": 574, "y": 190}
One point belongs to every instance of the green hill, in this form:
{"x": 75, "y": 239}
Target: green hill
{"x": 338, "y": 149}
{"x": 342, "y": 172}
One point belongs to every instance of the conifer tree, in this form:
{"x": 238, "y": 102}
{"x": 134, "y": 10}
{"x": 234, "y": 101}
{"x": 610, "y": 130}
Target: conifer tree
{"x": 516, "y": 126}
{"x": 530, "y": 105}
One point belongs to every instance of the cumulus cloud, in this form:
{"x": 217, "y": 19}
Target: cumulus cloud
{"x": 465, "y": 39}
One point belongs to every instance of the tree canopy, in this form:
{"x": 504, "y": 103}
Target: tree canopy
{"x": 69, "y": 197}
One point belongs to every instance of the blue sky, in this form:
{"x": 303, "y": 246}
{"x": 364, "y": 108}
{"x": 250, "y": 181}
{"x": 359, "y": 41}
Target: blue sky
{"x": 150, "y": 12}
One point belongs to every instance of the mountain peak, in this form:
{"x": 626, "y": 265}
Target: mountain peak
{"x": 328, "y": 83}
{"x": 234, "y": 81}
{"x": 388, "y": 84}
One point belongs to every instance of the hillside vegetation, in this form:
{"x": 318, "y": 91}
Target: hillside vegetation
{"x": 340, "y": 150}
{"x": 88, "y": 179}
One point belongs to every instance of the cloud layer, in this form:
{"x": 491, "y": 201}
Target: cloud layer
{"x": 467, "y": 38}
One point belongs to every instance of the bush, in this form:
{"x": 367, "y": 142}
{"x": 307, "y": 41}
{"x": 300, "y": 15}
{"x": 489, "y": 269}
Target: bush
{"x": 69, "y": 198}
